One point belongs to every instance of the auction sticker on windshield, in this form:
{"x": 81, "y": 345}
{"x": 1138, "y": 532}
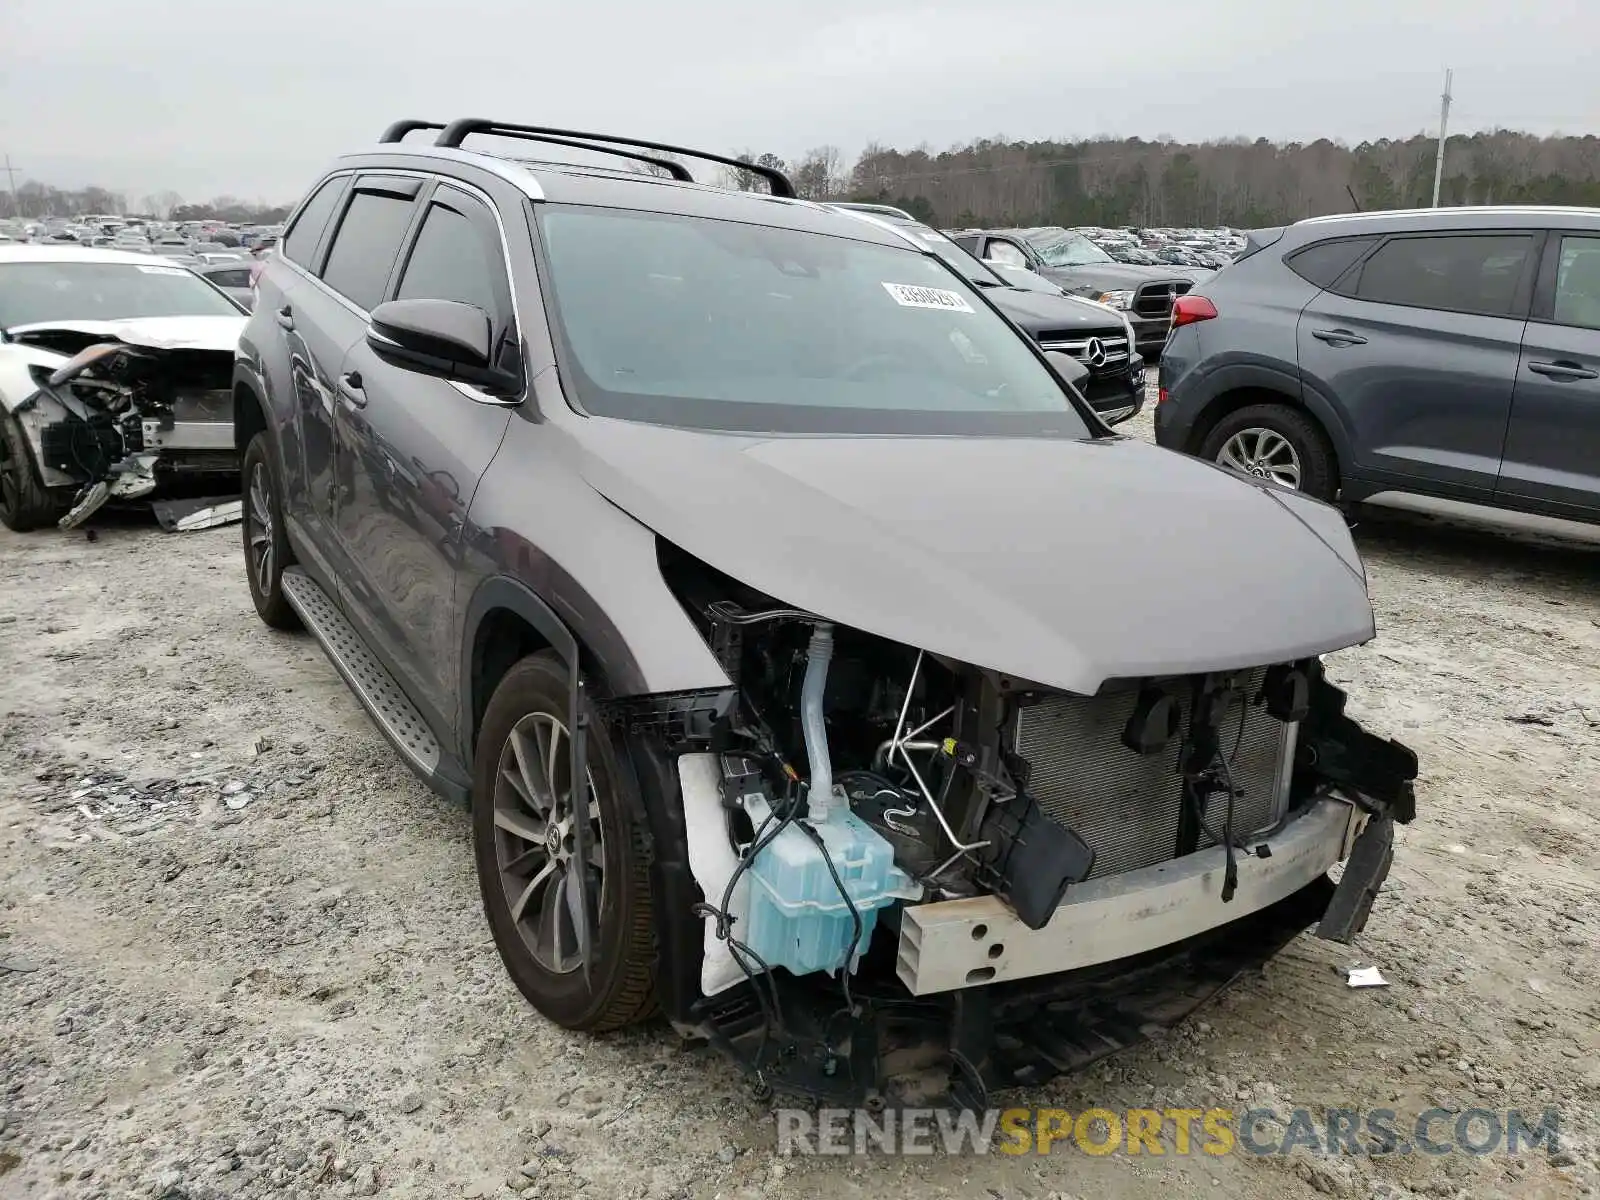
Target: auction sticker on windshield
{"x": 910, "y": 295}
{"x": 162, "y": 270}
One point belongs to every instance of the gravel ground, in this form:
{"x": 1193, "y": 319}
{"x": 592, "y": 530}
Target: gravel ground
{"x": 241, "y": 952}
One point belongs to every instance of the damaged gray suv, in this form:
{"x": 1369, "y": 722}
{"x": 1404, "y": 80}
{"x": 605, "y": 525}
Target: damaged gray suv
{"x": 929, "y": 737}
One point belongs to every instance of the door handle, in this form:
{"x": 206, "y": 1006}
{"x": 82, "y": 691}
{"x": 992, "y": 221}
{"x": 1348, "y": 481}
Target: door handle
{"x": 350, "y": 389}
{"x": 1562, "y": 372}
{"x": 1338, "y": 337}
{"x": 285, "y": 316}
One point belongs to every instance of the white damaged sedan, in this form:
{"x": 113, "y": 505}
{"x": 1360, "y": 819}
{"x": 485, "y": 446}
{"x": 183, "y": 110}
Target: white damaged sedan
{"x": 115, "y": 379}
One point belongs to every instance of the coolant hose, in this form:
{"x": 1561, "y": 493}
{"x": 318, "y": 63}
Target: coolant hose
{"x": 819, "y": 798}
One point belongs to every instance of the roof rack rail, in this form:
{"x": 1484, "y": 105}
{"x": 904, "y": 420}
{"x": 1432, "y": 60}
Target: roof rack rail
{"x": 458, "y": 131}
{"x": 678, "y": 171}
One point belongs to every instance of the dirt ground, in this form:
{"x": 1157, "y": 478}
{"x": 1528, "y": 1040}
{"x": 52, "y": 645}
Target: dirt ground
{"x": 241, "y": 951}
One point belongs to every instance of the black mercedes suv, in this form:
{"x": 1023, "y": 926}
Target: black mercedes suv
{"x": 818, "y": 667}
{"x": 1066, "y": 257}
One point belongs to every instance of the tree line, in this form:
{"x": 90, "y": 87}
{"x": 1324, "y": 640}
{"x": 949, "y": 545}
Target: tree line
{"x": 1102, "y": 181}
{"x": 1235, "y": 182}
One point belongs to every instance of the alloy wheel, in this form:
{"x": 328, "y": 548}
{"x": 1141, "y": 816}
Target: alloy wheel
{"x": 535, "y": 846}
{"x": 1263, "y": 453}
{"x": 259, "y": 519}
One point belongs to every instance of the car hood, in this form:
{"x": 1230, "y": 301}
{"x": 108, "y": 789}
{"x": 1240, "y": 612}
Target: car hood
{"x": 1060, "y": 562}
{"x": 1111, "y": 276}
{"x": 1035, "y": 311}
{"x": 156, "y": 333}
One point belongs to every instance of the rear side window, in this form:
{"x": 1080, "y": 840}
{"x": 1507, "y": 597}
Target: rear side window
{"x": 365, "y": 247}
{"x": 1323, "y": 263}
{"x": 233, "y": 279}
{"x": 1467, "y": 273}
{"x": 300, "y": 244}
{"x": 454, "y": 258}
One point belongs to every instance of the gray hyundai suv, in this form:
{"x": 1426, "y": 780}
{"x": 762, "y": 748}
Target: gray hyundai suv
{"x": 819, "y": 670}
{"x": 1444, "y": 361}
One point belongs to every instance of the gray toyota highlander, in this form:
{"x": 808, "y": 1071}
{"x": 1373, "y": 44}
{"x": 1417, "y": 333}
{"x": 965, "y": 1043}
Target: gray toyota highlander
{"x": 1443, "y": 361}
{"x": 817, "y": 668}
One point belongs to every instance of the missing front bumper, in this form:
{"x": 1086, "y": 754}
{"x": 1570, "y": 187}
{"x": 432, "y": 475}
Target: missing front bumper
{"x": 965, "y": 943}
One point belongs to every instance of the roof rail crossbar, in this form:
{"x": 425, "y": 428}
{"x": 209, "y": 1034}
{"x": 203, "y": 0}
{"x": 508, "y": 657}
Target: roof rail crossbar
{"x": 397, "y": 132}
{"x": 675, "y": 169}
{"x": 458, "y": 131}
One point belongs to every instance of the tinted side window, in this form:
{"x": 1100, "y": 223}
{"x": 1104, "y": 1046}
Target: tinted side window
{"x": 1578, "y": 283}
{"x": 1323, "y": 263}
{"x": 1469, "y": 274}
{"x": 233, "y": 279}
{"x": 365, "y": 247}
{"x": 455, "y": 258}
{"x": 301, "y": 241}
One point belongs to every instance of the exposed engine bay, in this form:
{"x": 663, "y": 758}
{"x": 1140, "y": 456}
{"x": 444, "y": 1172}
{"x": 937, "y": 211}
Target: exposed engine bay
{"x": 920, "y": 879}
{"x": 119, "y": 417}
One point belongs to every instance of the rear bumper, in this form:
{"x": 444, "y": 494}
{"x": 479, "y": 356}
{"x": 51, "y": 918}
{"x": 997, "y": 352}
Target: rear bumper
{"x": 961, "y": 943}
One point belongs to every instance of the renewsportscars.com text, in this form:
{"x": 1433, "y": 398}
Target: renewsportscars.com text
{"x": 1169, "y": 1131}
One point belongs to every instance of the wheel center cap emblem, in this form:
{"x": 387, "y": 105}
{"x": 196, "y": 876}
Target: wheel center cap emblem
{"x": 552, "y": 840}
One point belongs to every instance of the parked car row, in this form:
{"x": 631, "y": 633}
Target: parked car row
{"x": 1197, "y": 251}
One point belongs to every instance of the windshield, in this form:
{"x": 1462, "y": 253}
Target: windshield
{"x": 35, "y": 292}
{"x": 720, "y": 325}
{"x": 1063, "y": 248}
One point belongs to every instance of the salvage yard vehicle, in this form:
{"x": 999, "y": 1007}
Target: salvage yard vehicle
{"x": 1083, "y": 269}
{"x": 1442, "y": 361}
{"x": 115, "y": 379}
{"x": 1099, "y": 338}
{"x": 818, "y": 668}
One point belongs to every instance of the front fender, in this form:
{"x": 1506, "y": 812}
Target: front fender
{"x": 34, "y": 407}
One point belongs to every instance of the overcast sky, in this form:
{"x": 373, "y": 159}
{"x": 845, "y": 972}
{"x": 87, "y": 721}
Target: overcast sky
{"x": 253, "y": 98}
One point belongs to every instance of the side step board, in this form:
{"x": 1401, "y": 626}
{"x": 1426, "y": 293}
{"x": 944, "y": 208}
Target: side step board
{"x": 379, "y": 694}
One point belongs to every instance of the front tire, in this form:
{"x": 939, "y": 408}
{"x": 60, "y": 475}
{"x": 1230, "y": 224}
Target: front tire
{"x": 1276, "y": 442}
{"x": 266, "y": 541}
{"x": 522, "y": 830}
{"x": 25, "y": 503}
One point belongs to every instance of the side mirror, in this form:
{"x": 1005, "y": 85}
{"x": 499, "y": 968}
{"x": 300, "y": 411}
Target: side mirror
{"x": 442, "y": 338}
{"x": 1068, "y": 369}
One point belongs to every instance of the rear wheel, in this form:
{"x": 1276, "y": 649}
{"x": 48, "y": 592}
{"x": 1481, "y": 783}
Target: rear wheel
{"x": 529, "y": 867}
{"x": 25, "y": 503}
{"x": 1276, "y": 442}
{"x": 266, "y": 543}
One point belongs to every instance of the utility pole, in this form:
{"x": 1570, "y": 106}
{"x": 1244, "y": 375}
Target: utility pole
{"x": 11, "y": 176}
{"x": 1444, "y": 123}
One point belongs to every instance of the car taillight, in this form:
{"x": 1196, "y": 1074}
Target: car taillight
{"x": 1186, "y": 310}
{"x": 1161, "y": 396}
